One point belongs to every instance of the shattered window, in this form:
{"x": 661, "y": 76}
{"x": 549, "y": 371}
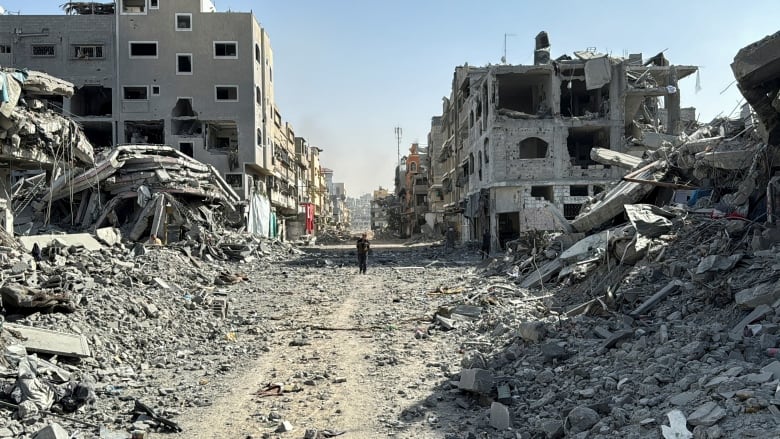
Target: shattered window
{"x": 225, "y": 49}
{"x": 133, "y": 6}
{"x": 135, "y": 93}
{"x": 183, "y": 22}
{"x": 143, "y": 49}
{"x": 186, "y": 148}
{"x": 88, "y": 52}
{"x": 43, "y": 50}
{"x": 183, "y": 63}
{"x": 227, "y": 92}
{"x": 235, "y": 180}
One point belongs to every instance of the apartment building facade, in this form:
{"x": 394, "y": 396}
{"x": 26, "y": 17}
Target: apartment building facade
{"x": 175, "y": 72}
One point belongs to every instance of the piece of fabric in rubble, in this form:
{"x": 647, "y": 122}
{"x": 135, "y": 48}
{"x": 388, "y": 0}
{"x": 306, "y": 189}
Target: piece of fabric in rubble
{"x": 74, "y": 394}
{"x": 31, "y": 388}
{"x": 19, "y": 75}
{"x": 259, "y": 215}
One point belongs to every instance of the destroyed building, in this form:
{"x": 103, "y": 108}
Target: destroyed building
{"x": 175, "y": 73}
{"x": 413, "y": 193}
{"x": 517, "y": 140}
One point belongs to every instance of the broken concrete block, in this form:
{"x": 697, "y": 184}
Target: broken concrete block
{"x": 52, "y": 342}
{"x": 761, "y": 294}
{"x": 531, "y": 331}
{"x": 476, "y": 380}
{"x": 51, "y": 431}
{"x": 109, "y": 235}
{"x": 773, "y": 368}
{"x": 75, "y": 239}
{"x": 284, "y": 427}
{"x": 737, "y": 331}
{"x": 500, "y": 418}
{"x": 707, "y": 414}
{"x": 581, "y": 419}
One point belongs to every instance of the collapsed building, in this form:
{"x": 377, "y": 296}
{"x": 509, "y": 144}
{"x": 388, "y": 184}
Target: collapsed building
{"x": 516, "y": 140}
{"x": 34, "y": 139}
{"x": 210, "y": 96}
{"x": 143, "y": 189}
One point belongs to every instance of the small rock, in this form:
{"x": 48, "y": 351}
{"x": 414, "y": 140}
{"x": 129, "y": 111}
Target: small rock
{"x": 707, "y": 414}
{"x": 581, "y": 419}
{"x": 284, "y": 427}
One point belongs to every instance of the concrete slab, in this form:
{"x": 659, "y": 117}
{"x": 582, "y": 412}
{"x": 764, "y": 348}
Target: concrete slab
{"x": 52, "y": 342}
{"x": 74, "y": 239}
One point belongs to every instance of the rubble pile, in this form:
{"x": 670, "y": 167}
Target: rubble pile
{"x": 657, "y": 312}
{"x": 132, "y": 186}
{"x": 32, "y": 131}
{"x": 692, "y": 327}
{"x": 332, "y": 235}
{"x": 128, "y": 320}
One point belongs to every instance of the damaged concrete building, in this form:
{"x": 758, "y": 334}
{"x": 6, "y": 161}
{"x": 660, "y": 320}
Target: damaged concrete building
{"x": 514, "y": 142}
{"x": 175, "y": 73}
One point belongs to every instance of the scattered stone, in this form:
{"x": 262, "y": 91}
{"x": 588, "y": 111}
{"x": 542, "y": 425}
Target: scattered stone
{"x": 476, "y": 380}
{"x": 581, "y": 419}
{"x": 707, "y": 414}
{"x": 500, "y": 418}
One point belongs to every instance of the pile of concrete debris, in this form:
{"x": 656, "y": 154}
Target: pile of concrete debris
{"x": 145, "y": 190}
{"x": 678, "y": 267}
{"x": 119, "y": 319}
{"x": 133, "y": 184}
{"x": 31, "y": 131}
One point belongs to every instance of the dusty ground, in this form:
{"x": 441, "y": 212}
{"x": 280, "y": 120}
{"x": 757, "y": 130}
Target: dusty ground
{"x": 350, "y": 350}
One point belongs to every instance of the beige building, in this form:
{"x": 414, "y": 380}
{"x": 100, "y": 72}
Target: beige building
{"x": 175, "y": 72}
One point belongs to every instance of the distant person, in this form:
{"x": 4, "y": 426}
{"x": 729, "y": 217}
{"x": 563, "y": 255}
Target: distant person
{"x": 36, "y": 252}
{"x": 363, "y": 246}
{"x": 485, "y": 244}
{"x": 449, "y": 238}
{"x": 154, "y": 240}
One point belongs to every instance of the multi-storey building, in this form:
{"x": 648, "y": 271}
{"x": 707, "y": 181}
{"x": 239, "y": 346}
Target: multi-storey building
{"x": 435, "y": 169}
{"x": 173, "y": 72}
{"x": 415, "y": 193}
{"x": 519, "y": 138}
{"x": 379, "y": 209}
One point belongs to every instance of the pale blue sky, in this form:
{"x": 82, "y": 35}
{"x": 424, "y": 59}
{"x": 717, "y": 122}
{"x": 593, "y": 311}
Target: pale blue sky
{"x": 347, "y": 72}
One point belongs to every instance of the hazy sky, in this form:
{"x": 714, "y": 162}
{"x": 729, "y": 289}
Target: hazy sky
{"x": 347, "y": 72}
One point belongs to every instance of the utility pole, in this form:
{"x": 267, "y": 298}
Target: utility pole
{"x": 398, "y": 132}
{"x": 503, "y": 58}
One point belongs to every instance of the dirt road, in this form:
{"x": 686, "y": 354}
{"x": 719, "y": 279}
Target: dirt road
{"x": 349, "y": 351}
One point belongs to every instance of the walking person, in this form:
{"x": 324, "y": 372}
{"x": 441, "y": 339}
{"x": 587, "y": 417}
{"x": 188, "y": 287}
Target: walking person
{"x": 449, "y": 238}
{"x": 485, "y": 244}
{"x": 363, "y": 246}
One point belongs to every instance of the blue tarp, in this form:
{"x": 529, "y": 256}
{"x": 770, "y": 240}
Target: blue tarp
{"x": 19, "y": 75}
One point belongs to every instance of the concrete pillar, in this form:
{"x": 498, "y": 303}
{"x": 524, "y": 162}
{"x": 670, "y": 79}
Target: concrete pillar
{"x": 672, "y": 104}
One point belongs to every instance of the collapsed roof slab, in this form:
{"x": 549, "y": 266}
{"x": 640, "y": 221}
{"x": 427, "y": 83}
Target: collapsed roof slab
{"x": 757, "y": 70}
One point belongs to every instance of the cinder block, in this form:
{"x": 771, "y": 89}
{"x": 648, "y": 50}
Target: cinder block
{"x": 476, "y": 380}
{"x": 500, "y": 418}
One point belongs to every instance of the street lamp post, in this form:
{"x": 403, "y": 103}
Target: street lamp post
{"x": 503, "y": 58}
{"x": 398, "y": 132}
